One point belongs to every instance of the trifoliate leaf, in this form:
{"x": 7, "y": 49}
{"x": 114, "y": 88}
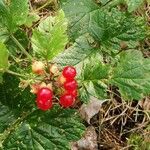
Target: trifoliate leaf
{"x": 77, "y": 53}
{"x": 22, "y": 38}
{"x": 3, "y": 57}
{"x": 50, "y": 38}
{"x": 108, "y": 27}
{"x": 132, "y": 75}
{"x": 111, "y": 28}
{"x": 78, "y": 18}
{"x": 93, "y": 79}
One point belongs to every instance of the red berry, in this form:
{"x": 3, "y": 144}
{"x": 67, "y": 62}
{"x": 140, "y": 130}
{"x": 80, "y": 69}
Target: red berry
{"x": 44, "y": 94}
{"x": 44, "y": 98}
{"x": 73, "y": 93}
{"x": 67, "y": 100}
{"x": 69, "y": 72}
{"x": 44, "y": 104}
{"x": 70, "y": 85}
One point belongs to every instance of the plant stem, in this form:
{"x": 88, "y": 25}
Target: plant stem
{"x": 15, "y": 73}
{"x": 46, "y": 4}
{"x": 21, "y": 47}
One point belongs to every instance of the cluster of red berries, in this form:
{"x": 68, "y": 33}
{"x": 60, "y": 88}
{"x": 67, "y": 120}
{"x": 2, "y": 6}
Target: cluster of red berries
{"x": 70, "y": 86}
{"x": 66, "y": 82}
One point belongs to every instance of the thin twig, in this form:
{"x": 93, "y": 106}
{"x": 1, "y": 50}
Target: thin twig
{"x": 21, "y": 47}
{"x": 15, "y": 73}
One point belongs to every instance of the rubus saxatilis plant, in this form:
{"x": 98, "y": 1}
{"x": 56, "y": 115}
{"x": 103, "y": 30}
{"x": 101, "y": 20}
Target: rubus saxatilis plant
{"x": 70, "y": 56}
{"x": 36, "y": 95}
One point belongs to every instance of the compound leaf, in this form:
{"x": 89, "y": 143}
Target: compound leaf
{"x": 77, "y": 53}
{"x": 132, "y": 75}
{"x": 78, "y": 18}
{"x": 93, "y": 80}
{"x": 50, "y": 38}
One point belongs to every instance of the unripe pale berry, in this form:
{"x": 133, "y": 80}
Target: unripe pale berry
{"x": 42, "y": 85}
{"x": 49, "y": 86}
{"x": 54, "y": 69}
{"x": 35, "y": 88}
{"x": 38, "y": 67}
{"x": 61, "y": 80}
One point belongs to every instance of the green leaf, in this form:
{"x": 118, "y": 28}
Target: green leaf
{"x": 77, "y": 53}
{"x": 53, "y": 129}
{"x": 32, "y": 17}
{"x": 3, "y": 57}
{"x": 50, "y": 38}
{"x": 132, "y": 75}
{"x": 4, "y": 13}
{"x": 22, "y": 37}
{"x": 109, "y": 27}
{"x": 3, "y": 34}
{"x": 6, "y": 118}
{"x": 138, "y": 140}
{"x": 104, "y": 2}
{"x": 113, "y": 27}
{"x": 18, "y": 98}
{"x": 13, "y": 13}
{"x": 104, "y": 26}
{"x": 1, "y": 78}
{"x": 18, "y": 11}
{"x": 93, "y": 80}
{"x": 24, "y": 127}
{"x": 133, "y": 4}
{"x": 79, "y": 18}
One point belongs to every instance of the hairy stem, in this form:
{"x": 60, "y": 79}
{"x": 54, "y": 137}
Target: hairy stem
{"x": 15, "y": 73}
{"x": 21, "y": 47}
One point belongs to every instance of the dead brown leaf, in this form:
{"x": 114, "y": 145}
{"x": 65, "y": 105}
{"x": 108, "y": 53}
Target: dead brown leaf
{"x": 87, "y": 111}
{"x": 87, "y": 142}
{"x": 145, "y": 103}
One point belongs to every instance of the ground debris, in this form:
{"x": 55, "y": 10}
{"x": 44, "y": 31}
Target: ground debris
{"x": 87, "y": 142}
{"x": 87, "y": 111}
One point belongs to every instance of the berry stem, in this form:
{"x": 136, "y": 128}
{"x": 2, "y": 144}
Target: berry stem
{"x": 46, "y": 4}
{"x": 15, "y": 73}
{"x": 21, "y": 47}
